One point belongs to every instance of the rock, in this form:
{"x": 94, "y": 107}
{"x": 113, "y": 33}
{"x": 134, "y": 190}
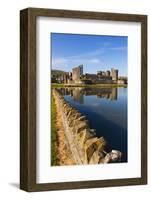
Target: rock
{"x": 81, "y": 125}
{"x": 112, "y": 157}
{"x": 82, "y": 118}
{"x": 93, "y": 132}
{"x": 116, "y": 155}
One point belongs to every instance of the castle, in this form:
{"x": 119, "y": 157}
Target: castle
{"x": 102, "y": 77}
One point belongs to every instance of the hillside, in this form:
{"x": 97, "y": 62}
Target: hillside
{"x": 57, "y": 73}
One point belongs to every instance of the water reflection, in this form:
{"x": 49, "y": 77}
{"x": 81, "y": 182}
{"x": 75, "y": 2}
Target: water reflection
{"x": 106, "y": 110}
{"x": 78, "y": 93}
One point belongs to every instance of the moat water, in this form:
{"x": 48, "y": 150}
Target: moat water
{"x": 106, "y": 110}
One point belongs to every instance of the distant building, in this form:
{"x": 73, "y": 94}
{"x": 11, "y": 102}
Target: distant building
{"x": 77, "y": 72}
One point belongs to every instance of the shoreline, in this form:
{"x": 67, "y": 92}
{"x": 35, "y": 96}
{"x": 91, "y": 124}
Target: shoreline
{"x": 60, "y": 145}
{"x": 55, "y": 85}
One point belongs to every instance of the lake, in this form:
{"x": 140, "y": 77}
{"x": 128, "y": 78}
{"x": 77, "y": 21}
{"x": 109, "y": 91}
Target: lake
{"x": 106, "y": 110}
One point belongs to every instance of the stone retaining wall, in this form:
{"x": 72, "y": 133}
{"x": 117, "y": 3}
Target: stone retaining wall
{"x": 85, "y": 147}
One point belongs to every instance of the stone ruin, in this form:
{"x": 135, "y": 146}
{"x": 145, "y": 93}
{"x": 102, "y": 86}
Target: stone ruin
{"x": 85, "y": 147}
{"x": 101, "y": 77}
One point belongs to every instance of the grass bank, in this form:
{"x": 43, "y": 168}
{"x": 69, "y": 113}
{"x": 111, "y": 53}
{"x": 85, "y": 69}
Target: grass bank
{"x": 55, "y": 85}
{"x": 53, "y": 133}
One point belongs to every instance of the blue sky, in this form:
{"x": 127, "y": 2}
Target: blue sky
{"x": 95, "y": 52}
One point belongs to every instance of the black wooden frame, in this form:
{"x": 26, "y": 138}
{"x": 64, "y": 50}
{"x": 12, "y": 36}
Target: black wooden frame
{"x": 28, "y": 98}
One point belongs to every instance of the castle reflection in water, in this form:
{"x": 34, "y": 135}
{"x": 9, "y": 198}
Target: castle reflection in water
{"x": 78, "y": 93}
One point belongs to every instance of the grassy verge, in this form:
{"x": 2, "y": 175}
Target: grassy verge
{"x": 55, "y": 85}
{"x": 53, "y": 133}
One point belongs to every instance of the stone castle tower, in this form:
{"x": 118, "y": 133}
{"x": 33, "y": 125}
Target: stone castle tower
{"x": 114, "y": 74}
{"x": 77, "y": 72}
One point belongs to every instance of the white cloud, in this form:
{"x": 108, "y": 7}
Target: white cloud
{"x": 118, "y": 48}
{"x": 88, "y": 59}
{"x": 92, "y": 57}
{"x": 58, "y": 63}
{"x": 62, "y": 63}
{"x": 95, "y": 60}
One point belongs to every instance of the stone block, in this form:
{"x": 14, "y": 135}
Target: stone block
{"x": 81, "y": 125}
{"x": 94, "y": 158}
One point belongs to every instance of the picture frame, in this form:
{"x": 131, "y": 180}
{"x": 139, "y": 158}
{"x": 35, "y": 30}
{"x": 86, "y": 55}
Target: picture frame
{"x": 28, "y": 98}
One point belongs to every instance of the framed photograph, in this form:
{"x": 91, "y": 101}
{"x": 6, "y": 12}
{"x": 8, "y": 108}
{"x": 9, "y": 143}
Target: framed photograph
{"x": 83, "y": 99}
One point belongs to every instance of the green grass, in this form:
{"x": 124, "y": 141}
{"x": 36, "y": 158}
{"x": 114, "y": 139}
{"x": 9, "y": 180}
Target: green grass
{"x": 56, "y": 85}
{"x": 53, "y": 133}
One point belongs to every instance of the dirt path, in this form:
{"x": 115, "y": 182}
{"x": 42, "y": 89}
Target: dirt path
{"x": 64, "y": 156}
